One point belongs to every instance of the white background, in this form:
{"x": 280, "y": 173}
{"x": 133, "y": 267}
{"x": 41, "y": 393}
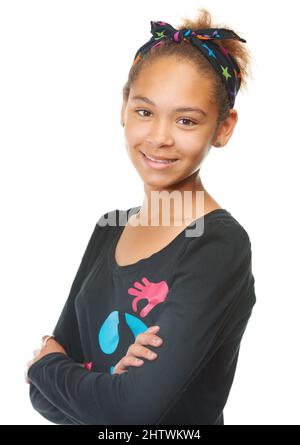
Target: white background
{"x": 64, "y": 164}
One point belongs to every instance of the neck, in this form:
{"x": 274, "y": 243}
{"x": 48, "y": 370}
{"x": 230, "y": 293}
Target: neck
{"x": 177, "y": 205}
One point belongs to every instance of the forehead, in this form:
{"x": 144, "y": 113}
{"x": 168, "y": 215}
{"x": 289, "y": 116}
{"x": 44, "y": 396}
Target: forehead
{"x": 172, "y": 79}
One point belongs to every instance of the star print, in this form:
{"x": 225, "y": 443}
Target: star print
{"x": 215, "y": 34}
{"x": 224, "y": 50}
{"x": 210, "y": 52}
{"x": 160, "y": 34}
{"x": 225, "y": 72}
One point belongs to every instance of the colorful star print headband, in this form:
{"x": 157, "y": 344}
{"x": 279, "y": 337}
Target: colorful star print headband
{"x": 221, "y": 60}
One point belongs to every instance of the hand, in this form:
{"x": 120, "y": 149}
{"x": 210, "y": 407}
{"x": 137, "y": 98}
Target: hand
{"x": 51, "y": 346}
{"x": 155, "y": 293}
{"x": 138, "y": 350}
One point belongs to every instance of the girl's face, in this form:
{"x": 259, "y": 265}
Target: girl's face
{"x": 155, "y": 126}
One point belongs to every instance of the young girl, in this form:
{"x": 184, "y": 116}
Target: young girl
{"x": 191, "y": 278}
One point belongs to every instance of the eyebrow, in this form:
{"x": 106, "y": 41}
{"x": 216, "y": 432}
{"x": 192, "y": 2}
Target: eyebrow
{"x": 180, "y": 109}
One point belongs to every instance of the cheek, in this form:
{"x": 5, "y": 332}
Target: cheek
{"x": 191, "y": 146}
{"x": 135, "y": 134}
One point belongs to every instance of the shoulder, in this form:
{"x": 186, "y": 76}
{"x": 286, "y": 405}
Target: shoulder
{"x": 221, "y": 229}
{"x": 224, "y": 245}
{"x": 100, "y": 229}
{"x": 217, "y": 265}
{"x": 116, "y": 217}
{"x": 107, "y": 218}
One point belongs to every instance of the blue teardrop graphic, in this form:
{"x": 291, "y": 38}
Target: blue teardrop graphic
{"x": 109, "y": 333}
{"x": 135, "y": 324}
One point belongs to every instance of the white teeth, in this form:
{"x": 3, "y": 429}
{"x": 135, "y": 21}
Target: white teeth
{"x": 160, "y": 161}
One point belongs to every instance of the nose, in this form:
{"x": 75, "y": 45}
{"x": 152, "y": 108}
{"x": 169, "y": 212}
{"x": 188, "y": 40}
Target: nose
{"x": 160, "y": 134}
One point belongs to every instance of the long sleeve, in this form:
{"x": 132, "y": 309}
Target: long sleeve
{"x": 211, "y": 297}
{"x": 46, "y": 408}
{"x": 66, "y": 333}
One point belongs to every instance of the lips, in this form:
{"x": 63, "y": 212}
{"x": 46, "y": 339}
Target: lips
{"x": 161, "y": 164}
{"x": 159, "y": 159}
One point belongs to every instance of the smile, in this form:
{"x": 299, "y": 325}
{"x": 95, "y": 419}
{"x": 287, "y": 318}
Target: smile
{"x": 158, "y": 164}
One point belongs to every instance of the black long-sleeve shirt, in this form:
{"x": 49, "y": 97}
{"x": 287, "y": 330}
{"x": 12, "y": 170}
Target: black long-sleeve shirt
{"x": 198, "y": 289}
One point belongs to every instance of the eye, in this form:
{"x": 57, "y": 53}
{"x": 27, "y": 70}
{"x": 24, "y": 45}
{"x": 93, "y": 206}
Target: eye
{"x": 137, "y": 111}
{"x": 192, "y": 123}
{"x": 188, "y": 120}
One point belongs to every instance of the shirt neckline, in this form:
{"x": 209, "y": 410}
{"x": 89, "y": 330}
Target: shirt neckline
{"x": 115, "y": 267}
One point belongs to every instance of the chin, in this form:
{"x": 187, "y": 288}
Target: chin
{"x": 154, "y": 181}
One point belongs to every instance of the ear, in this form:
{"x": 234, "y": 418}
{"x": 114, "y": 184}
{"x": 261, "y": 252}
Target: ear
{"x": 124, "y": 104}
{"x": 225, "y": 129}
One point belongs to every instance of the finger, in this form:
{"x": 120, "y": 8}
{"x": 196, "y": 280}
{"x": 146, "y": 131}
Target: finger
{"x": 148, "y": 339}
{"x": 144, "y": 338}
{"x": 125, "y": 362}
{"x": 118, "y": 372}
{"x": 141, "y": 351}
{"x": 131, "y": 361}
{"x": 45, "y": 339}
{"x": 26, "y": 371}
{"x": 153, "y": 329}
{"x": 25, "y": 376}
{"x": 36, "y": 352}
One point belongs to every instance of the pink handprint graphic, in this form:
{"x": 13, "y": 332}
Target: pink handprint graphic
{"x": 155, "y": 293}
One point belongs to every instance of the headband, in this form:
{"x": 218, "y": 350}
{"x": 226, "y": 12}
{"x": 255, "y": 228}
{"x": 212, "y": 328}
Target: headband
{"x": 223, "y": 63}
